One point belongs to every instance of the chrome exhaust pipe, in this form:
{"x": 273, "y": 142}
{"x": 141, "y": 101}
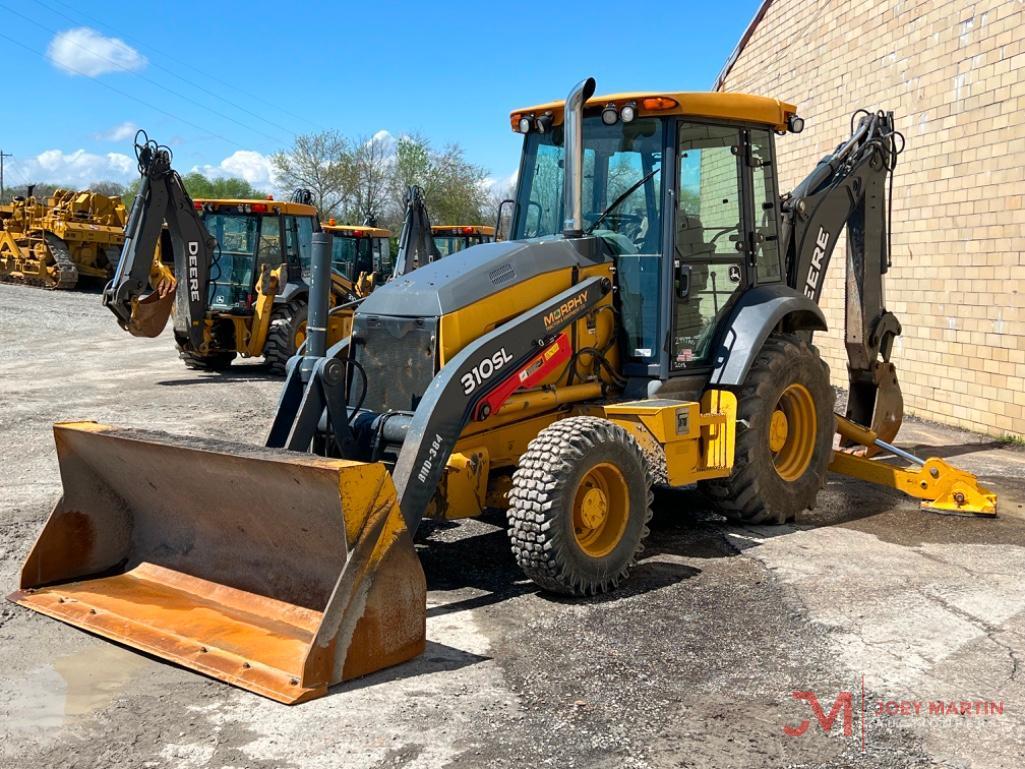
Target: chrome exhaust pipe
{"x": 573, "y": 221}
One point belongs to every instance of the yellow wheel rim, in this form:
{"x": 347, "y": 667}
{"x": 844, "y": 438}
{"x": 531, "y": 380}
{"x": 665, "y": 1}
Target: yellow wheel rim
{"x": 300, "y": 335}
{"x": 792, "y": 432}
{"x": 601, "y": 509}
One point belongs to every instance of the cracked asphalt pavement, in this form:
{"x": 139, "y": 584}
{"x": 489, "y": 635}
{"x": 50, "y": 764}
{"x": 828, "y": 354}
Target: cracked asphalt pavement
{"x": 866, "y": 607}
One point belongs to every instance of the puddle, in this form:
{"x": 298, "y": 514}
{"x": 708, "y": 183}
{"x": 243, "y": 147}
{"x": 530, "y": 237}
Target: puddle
{"x": 73, "y": 686}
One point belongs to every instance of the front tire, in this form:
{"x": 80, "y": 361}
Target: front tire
{"x": 286, "y": 334}
{"x": 218, "y": 361}
{"x": 579, "y": 506}
{"x": 784, "y": 441}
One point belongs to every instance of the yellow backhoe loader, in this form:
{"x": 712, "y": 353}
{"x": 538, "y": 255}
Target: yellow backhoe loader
{"x": 650, "y": 327}
{"x": 53, "y": 243}
{"x": 450, "y": 238}
{"x": 362, "y": 253}
{"x": 234, "y": 273}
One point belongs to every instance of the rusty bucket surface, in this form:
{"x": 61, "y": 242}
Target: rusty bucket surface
{"x": 278, "y": 572}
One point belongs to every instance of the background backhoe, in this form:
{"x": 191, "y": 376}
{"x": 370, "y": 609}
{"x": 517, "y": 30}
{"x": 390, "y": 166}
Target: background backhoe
{"x": 652, "y": 327}
{"x": 233, "y": 273}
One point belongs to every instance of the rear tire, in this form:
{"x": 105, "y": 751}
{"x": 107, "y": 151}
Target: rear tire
{"x": 218, "y": 361}
{"x": 285, "y": 335}
{"x": 579, "y": 506}
{"x": 784, "y": 442}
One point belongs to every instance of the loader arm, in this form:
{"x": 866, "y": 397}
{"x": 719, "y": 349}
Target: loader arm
{"x": 849, "y": 189}
{"x": 162, "y": 198}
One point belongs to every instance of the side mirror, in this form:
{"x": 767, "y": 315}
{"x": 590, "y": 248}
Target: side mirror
{"x": 503, "y": 224}
{"x": 683, "y": 272}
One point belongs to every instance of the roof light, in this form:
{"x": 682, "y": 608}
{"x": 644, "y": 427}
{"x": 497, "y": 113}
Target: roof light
{"x": 795, "y": 124}
{"x": 544, "y": 123}
{"x": 468, "y": 230}
{"x": 628, "y": 112}
{"x": 258, "y": 208}
{"x": 357, "y": 233}
{"x": 610, "y": 115}
{"x": 657, "y": 103}
{"x": 197, "y": 205}
{"x": 270, "y": 197}
{"x": 331, "y": 222}
{"x": 524, "y": 125}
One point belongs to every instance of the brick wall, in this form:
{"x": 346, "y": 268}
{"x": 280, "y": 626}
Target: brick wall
{"x": 954, "y": 74}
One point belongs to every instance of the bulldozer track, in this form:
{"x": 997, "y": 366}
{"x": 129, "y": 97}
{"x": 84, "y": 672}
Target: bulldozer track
{"x": 67, "y": 272}
{"x": 64, "y": 274}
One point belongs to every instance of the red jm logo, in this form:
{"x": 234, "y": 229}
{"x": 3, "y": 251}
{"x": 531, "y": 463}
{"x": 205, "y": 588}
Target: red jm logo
{"x": 844, "y": 701}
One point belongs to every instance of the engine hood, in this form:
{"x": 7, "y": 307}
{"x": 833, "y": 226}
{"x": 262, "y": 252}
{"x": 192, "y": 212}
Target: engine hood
{"x": 469, "y": 275}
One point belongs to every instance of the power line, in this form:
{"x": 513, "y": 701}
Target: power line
{"x": 121, "y": 67}
{"x": 191, "y": 83}
{"x": 206, "y": 74}
{"x": 125, "y": 94}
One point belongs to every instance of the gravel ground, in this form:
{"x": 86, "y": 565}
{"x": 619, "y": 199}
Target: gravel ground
{"x": 693, "y": 664}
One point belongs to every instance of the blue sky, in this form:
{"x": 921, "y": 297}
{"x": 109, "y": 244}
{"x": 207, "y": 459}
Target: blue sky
{"x": 227, "y": 84}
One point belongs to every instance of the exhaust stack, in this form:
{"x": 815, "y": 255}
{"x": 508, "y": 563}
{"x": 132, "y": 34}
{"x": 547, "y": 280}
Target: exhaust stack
{"x": 573, "y": 223}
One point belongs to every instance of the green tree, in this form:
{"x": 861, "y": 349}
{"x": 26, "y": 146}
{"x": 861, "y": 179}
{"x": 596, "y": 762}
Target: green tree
{"x": 200, "y": 186}
{"x": 321, "y": 163}
{"x": 228, "y": 187}
{"x": 454, "y": 187}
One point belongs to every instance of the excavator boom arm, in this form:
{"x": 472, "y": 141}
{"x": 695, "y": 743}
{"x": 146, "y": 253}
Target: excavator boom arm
{"x": 848, "y": 189}
{"x": 162, "y": 199}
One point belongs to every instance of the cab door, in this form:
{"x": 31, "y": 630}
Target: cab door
{"x": 709, "y": 243}
{"x": 726, "y": 231}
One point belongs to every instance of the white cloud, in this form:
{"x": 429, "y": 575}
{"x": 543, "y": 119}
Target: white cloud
{"x": 84, "y": 51}
{"x": 252, "y": 166}
{"x": 119, "y": 133}
{"x": 505, "y": 185}
{"x": 78, "y": 168}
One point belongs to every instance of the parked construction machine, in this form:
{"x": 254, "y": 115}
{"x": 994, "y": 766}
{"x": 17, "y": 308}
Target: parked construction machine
{"x": 53, "y": 242}
{"x": 648, "y": 323}
{"x": 450, "y": 238}
{"x": 233, "y": 273}
{"x": 362, "y": 253}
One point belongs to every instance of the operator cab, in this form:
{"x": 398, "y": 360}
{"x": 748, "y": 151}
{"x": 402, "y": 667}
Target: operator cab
{"x": 360, "y": 250}
{"x": 251, "y": 234}
{"x": 681, "y": 191}
{"x": 452, "y": 238}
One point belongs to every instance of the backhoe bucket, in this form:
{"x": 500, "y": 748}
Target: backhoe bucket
{"x": 279, "y": 572}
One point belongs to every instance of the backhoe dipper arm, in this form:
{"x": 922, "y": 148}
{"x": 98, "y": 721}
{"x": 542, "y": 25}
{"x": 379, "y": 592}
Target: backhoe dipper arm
{"x": 416, "y": 243}
{"x": 849, "y": 188}
{"x": 162, "y": 198}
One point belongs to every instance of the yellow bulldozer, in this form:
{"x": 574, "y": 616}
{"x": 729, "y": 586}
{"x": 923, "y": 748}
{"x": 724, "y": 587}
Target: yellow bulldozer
{"x": 52, "y": 243}
{"x": 649, "y": 328}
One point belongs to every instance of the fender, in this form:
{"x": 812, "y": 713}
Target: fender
{"x": 756, "y": 314}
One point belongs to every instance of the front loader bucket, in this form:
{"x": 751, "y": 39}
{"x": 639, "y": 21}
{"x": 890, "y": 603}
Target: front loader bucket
{"x": 278, "y": 572}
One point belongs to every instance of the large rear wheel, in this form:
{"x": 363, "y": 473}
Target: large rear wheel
{"x": 579, "y": 506}
{"x": 784, "y": 435}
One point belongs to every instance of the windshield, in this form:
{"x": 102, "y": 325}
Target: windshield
{"x": 449, "y": 244}
{"x": 241, "y": 238}
{"x": 352, "y": 256}
{"x": 616, "y": 158}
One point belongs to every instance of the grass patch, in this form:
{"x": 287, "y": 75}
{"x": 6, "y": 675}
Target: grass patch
{"x": 1012, "y": 440}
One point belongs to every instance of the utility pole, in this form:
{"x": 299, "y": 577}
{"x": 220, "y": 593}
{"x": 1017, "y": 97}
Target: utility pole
{"x": 2, "y": 156}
